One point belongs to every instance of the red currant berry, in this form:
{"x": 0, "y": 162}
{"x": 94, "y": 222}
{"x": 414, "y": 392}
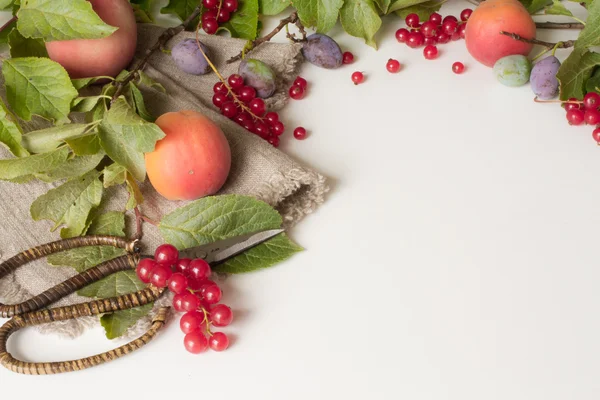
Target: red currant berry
{"x": 278, "y": 128}
{"x": 592, "y": 117}
{"x": 243, "y": 118}
{"x": 249, "y": 126}
{"x": 261, "y": 129}
{"x": 195, "y": 342}
{"x": 229, "y": 109}
{"x": 191, "y": 321}
{"x": 166, "y": 254}
{"x": 160, "y": 275}
{"x": 182, "y": 266}
{"x": 591, "y": 101}
{"x": 273, "y": 140}
{"x": 596, "y": 135}
{"x": 178, "y": 302}
{"x": 199, "y": 269}
{"x": 348, "y": 58}
{"x": 230, "y": 5}
{"x": 402, "y": 35}
{"x": 412, "y": 20}
{"x": 296, "y": 92}
{"x": 393, "y": 66}
{"x": 442, "y": 38}
{"x": 436, "y": 18}
{"x": 224, "y": 15}
{"x": 210, "y": 26}
{"x": 190, "y": 302}
{"x": 236, "y": 81}
{"x": 430, "y": 52}
{"x": 272, "y": 117}
{"x": 210, "y": 3}
{"x": 144, "y": 269}
{"x": 220, "y": 87}
{"x": 415, "y": 39}
{"x": 219, "y": 341}
{"x": 430, "y": 41}
{"x": 573, "y": 104}
{"x": 257, "y": 106}
{"x": 247, "y": 93}
{"x": 221, "y": 315}
{"x": 209, "y": 14}
{"x": 575, "y": 117}
{"x": 449, "y": 27}
{"x": 466, "y": 14}
{"x": 218, "y": 99}
{"x": 301, "y": 82}
{"x": 455, "y": 36}
{"x": 458, "y": 67}
{"x": 428, "y": 29}
{"x": 300, "y": 133}
{"x": 177, "y": 283}
{"x": 461, "y": 30}
{"x": 358, "y": 78}
{"x": 211, "y": 294}
{"x": 449, "y": 18}
{"x": 195, "y": 284}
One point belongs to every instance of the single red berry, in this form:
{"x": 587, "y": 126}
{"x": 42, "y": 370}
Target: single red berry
{"x": 262, "y": 129}
{"x": 210, "y": 3}
{"x": 296, "y": 92}
{"x": 393, "y": 66}
{"x": 247, "y": 93}
{"x": 249, "y": 126}
{"x": 236, "y": 81}
{"x": 230, "y": 5}
{"x": 272, "y": 117}
{"x": 257, "y": 106}
{"x": 224, "y": 15}
{"x": 199, "y": 269}
{"x": 466, "y": 14}
{"x": 358, "y": 77}
{"x": 449, "y": 27}
{"x": 449, "y": 18}
{"x": 191, "y": 321}
{"x": 209, "y": 14}
{"x": 178, "y": 302}
{"x": 211, "y": 294}
{"x": 220, "y": 87}
{"x": 430, "y": 52}
{"x": 415, "y": 39}
{"x": 458, "y": 67}
{"x": 442, "y": 38}
{"x": 300, "y": 133}
{"x": 219, "y": 341}
{"x": 243, "y": 118}
{"x": 218, "y": 99}
{"x": 278, "y": 128}
{"x": 300, "y": 82}
{"x": 177, "y": 283}
{"x": 435, "y": 18}
{"x": 210, "y": 26}
{"x": 195, "y": 342}
{"x": 144, "y": 269}
{"x": 455, "y": 36}
{"x": 430, "y": 41}
{"x": 190, "y": 302}
{"x": 412, "y": 20}
{"x": 229, "y": 109}
{"x": 591, "y": 101}
{"x": 166, "y": 254}
{"x": 596, "y": 135}
{"x": 195, "y": 284}
{"x": 402, "y": 35}
{"x": 592, "y": 117}
{"x": 461, "y": 30}
{"x": 273, "y": 140}
{"x": 348, "y": 58}
{"x": 429, "y": 29}
{"x": 221, "y": 315}
{"x": 573, "y": 104}
{"x": 160, "y": 275}
{"x": 575, "y": 117}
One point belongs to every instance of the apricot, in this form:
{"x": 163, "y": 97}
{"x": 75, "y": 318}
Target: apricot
{"x": 85, "y": 58}
{"x": 482, "y": 34}
{"x": 193, "y": 159}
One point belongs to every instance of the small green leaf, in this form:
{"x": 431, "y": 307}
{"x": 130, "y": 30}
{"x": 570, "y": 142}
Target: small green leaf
{"x": 181, "y": 8}
{"x": 557, "y": 8}
{"x": 114, "y": 285}
{"x": 144, "y": 79}
{"x": 13, "y": 168}
{"x": 61, "y": 20}
{"x": 360, "y": 18}
{"x": 74, "y": 167}
{"x": 114, "y": 174}
{"x": 38, "y": 86}
{"x": 69, "y": 204}
{"x": 590, "y": 35}
{"x": 135, "y": 194}
{"x": 81, "y": 83}
{"x": 111, "y": 223}
{"x": 593, "y": 84}
{"x": 423, "y": 8}
{"x": 44, "y": 140}
{"x": 244, "y": 22}
{"x": 575, "y": 71}
{"x": 533, "y": 6}
{"x": 140, "y": 106}
{"x": 21, "y": 46}
{"x": 116, "y": 324}
{"x": 6, "y": 4}
{"x": 6, "y": 31}
{"x": 321, "y": 14}
{"x": 86, "y": 104}
{"x": 125, "y": 137}
{"x": 142, "y": 10}
{"x": 11, "y": 132}
{"x": 85, "y": 145}
{"x": 273, "y": 7}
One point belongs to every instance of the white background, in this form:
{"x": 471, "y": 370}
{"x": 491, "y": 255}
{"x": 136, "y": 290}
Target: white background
{"x": 456, "y": 256}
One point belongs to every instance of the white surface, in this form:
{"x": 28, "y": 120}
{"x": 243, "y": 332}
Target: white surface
{"x": 455, "y": 258}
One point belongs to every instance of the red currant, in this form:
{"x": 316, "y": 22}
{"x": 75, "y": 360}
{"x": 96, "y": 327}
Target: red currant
{"x": 393, "y": 66}
{"x": 211, "y": 294}
{"x": 272, "y": 117}
{"x": 442, "y": 38}
{"x": 144, "y": 269}
{"x": 220, "y": 87}
{"x": 596, "y": 135}
{"x": 177, "y": 283}
{"x": 273, "y": 140}
{"x": 190, "y": 302}
{"x": 229, "y": 109}
{"x": 449, "y": 27}
{"x": 430, "y": 41}
{"x": 195, "y": 342}
{"x": 455, "y": 36}
{"x": 449, "y": 18}
{"x": 199, "y": 269}
{"x": 458, "y": 67}
{"x": 249, "y": 126}
{"x": 261, "y": 129}
{"x": 358, "y": 77}
{"x": 178, "y": 302}
{"x": 236, "y": 81}
{"x": 430, "y": 52}
{"x": 243, "y": 118}
{"x": 348, "y": 58}
{"x": 429, "y": 29}
{"x": 300, "y": 133}
{"x": 166, "y": 254}
{"x": 435, "y": 18}
{"x": 573, "y": 104}
{"x": 160, "y": 275}
{"x": 210, "y": 3}
{"x": 301, "y": 82}
{"x": 191, "y": 321}
{"x": 218, "y": 99}
{"x": 415, "y": 39}
{"x": 219, "y": 341}
{"x": 278, "y": 128}
{"x": 257, "y": 106}
{"x": 466, "y": 14}
{"x": 230, "y": 5}
{"x": 224, "y": 15}
{"x": 461, "y": 30}
{"x": 210, "y": 26}
{"x": 575, "y": 117}
{"x": 412, "y": 20}
{"x": 591, "y": 101}
{"x": 592, "y": 117}
{"x": 296, "y": 92}
{"x": 402, "y": 35}
{"x": 221, "y": 315}
{"x": 247, "y": 93}
{"x": 209, "y": 14}
{"x": 195, "y": 284}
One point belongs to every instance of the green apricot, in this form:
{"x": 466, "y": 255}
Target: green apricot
{"x": 513, "y": 70}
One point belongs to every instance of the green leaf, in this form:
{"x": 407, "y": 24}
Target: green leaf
{"x": 244, "y": 22}
{"x": 85, "y": 104}
{"x": 360, "y": 18}
{"x": 74, "y": 167}
{"x": 85, "y": 145}
{"x": 6, "y": 32}
{"x": 44, "y": 140}
{"x": 142, "y": 10}
{"x": 265, "y": 255}
{"x": 70, "y": 204}
{"x": 111, "y": 223}
{"x": 140, "y": 106}
{"x": 19, "y": 167}
{"x": 135, "y": 194}
{"x": 590, "y": 35}
{"x": 81, "y": 83}
{"x": 423, "y": 8}
{"x": 116, "y": 324}
{"x": 6, "y": 4}
{"x": 114, "y": 174}
{"x": 533, "y": 6}
{"x": 11, "y": 132}
{"x": 181, "y": 9}
{"x": 322, "y": 14}
{"x": 557, "y": 8}
{"x": 38, "y": 86}
{"x": 593, "y": 84}
{"x": 61, "y": 20}
{"x": 125, "y": 137}
{"x": 114, "y": 285}
{"x": 575, "y": 71}
{"x": 273, "y": 7}
{"x": 21, "y": 46}
{"x": 144, "y": 79}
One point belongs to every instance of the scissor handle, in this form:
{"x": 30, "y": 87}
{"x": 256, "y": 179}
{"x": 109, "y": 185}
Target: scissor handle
{"x": 95, "y": 307}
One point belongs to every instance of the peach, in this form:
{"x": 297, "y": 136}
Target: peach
{"x": 482, "y": 34}
{"x": 193, "y": 159}
{"x": 108, "y": 56}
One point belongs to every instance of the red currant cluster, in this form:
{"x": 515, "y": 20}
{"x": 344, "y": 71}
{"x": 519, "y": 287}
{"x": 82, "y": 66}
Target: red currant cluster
{"x": 195, "y": 294}
{"x": 217, "y": 11}
{"x": 586, "y": 111}
{"x": 436, "y": 30}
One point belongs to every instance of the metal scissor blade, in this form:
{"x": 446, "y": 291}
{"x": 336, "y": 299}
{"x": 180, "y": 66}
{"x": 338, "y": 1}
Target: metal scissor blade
{"x": 223, "y": 250}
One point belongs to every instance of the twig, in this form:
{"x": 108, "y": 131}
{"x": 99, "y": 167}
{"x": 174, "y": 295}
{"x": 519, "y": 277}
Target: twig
{"x": 160, "y": 43}
{"x": 559, "y": 45}
{"x": 292, "y": 19}
{"x": 559, "y": 25}
{"x": 138, "y": 223}
{"x": 10, "y": 21}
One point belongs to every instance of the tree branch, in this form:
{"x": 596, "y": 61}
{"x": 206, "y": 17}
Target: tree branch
{"x": 559, "y": 45}
{"x": 10, "y": 21}
{"x": 559, "y": 25}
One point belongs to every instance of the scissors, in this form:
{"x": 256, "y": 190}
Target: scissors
{"x": 34, "y": 312}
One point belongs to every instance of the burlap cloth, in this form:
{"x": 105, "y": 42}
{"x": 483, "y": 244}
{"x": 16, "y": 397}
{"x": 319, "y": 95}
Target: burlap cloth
{"x": 258, "y": 169}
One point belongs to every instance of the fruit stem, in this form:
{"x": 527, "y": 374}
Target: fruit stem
{"x": 557, "y": 101}
{"x": 559, "y": 25}
{"x": 10, "y": 21}
{"x": 559, "y": 45}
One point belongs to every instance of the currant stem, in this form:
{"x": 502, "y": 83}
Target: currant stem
{"x": 560, "y": 45}
{"x": 557, "y": 101}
